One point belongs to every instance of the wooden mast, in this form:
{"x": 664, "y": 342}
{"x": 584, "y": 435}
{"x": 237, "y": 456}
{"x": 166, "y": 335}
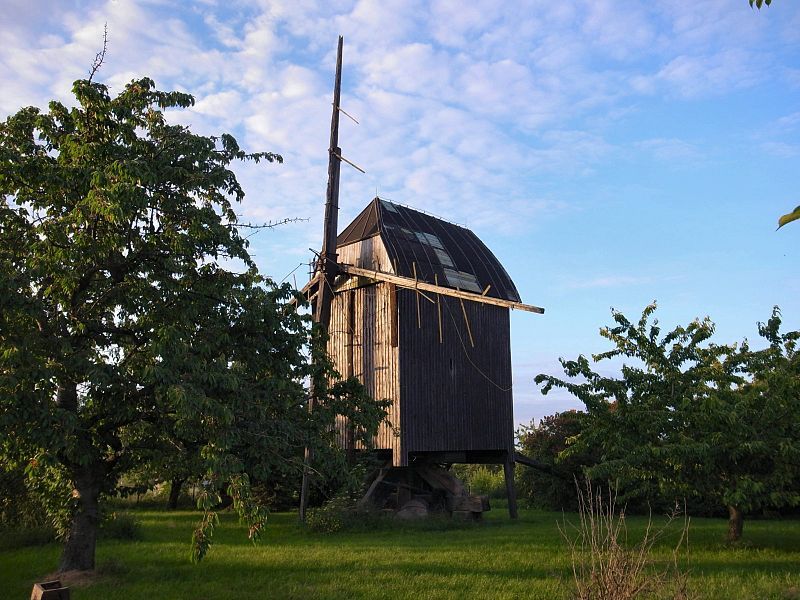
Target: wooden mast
{"x": 326, "y": 265}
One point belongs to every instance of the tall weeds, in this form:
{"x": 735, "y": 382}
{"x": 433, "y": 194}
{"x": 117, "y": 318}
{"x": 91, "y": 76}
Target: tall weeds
{"x": 607, "y": 565}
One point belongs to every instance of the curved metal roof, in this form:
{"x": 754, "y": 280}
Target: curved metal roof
{"x": 431, "y": 249}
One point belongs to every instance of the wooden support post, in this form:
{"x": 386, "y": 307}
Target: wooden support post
{"x": 350, "y": 371}
{"x": 419, "y": 316}
{"x": 404, "y": 492}
{"x": 466, "y": 320}
{"x": 351, "y": 330}
{"x": 393, "y": 314}
{"x": 511, "y": 489}
{"x": 439, "y": 309}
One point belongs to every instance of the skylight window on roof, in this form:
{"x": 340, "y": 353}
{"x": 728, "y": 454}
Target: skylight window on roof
{"x": 408, "y": 234}
{"x": 462, "y": 280}
{"x": 444, "y": 258}
{"x": 429, "y": 239}
{"x": 389, "y": 206}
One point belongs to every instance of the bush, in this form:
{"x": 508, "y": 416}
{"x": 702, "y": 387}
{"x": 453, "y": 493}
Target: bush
{"x": 488, "y": 480}
{"x": 606, "y": 567}
{"x": 325, "y": 519}
{"x": 120, "y": 526}
{"x": 341, "y": 513}
{"x": 547, "y": 443}
{"x": 12, "y": 539}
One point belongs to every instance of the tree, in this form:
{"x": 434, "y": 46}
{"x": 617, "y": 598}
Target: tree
{"x": 692, "y": 419}
{"x": 546, "y": 443}
{"x": 122, "y": 319}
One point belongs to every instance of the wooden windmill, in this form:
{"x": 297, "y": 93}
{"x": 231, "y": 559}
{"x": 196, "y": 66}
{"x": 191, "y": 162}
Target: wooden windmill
{"x": 417, "y": 308}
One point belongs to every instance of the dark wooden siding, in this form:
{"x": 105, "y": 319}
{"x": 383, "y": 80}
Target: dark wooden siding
{"x": 455, "y": 397}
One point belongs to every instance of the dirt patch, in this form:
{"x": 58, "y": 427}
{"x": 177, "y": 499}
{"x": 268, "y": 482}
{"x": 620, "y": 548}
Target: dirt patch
{"x": 78, "y": 579}
{"x": 81, "y": 579}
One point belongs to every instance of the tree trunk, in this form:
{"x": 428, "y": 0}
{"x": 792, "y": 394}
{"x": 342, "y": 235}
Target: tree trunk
{"x": 175, "y": 492}
{"x": 735, "y": 523}
{"x": 82, "y": 539}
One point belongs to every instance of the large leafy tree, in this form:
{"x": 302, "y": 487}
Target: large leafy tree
{"x": 692, "y": 419}
{"x": 123, "y": 323}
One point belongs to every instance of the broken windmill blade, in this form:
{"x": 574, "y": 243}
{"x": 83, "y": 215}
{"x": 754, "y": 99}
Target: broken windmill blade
{"x": 415, "y": 284}
{"x": 326, "y": 265}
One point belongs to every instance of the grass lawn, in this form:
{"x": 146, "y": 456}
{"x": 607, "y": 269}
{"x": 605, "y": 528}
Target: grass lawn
{"x": 494, "y": 559}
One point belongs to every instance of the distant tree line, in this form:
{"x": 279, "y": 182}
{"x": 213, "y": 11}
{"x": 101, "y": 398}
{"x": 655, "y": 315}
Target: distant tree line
{"x": 687, "y": 421}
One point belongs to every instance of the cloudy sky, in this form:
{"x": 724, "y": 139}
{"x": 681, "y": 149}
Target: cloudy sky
{"x": 610, "y": 153}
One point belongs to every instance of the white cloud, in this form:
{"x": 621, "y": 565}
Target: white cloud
{"x": 780, "y": 149}
{"x": 671, "y": 150}
{"x": 462, "y": 106}
{"x": 692, "y": 75}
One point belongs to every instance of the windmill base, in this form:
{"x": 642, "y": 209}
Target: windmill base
{"x": 418, "y": 491}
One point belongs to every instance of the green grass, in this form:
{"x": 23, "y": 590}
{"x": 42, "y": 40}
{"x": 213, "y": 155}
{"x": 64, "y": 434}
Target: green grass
{"x": 495, "y": 559}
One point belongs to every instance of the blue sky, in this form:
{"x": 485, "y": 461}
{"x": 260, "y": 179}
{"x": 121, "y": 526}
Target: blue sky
{"x": 610, "y": 153}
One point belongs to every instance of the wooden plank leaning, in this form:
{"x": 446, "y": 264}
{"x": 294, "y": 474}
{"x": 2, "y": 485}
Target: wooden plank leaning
{"x": 407, "y": 282}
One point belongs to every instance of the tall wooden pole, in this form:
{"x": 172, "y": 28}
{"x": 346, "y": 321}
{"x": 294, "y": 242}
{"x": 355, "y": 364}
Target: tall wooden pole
{"x": 327, "y": 260}
{"x": 322, "y": 314}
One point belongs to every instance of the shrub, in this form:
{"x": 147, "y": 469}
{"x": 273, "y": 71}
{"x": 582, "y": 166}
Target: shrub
{"x": 324, "y": 519}
{"x": 547, "y": 443}
{"x": 605, "y": 567}
{"x": 12, "y": 539}
{"x": 120, "y": 526}
{"x": 486, "y": 480}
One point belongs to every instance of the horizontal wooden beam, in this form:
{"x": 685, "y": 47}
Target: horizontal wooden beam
{"x": 407, "y": 282}
{"x": 307, "y": 287}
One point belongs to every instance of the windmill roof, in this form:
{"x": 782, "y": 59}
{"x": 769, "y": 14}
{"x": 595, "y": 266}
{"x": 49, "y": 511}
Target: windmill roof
{"x": 439, "y": 251}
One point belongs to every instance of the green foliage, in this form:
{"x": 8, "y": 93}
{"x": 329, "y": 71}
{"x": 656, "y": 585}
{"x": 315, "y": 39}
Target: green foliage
{"x": 331, "y": 516}
{"x": 488, "y": 480}
{"x": 689, "y": 418}
{"x": 546, "y": 443}
{"x": 760, "y": 3}
{"x": 18, "y": 507}
{"x": 126, "y": 339}
{"x": 120, "y": 526}
{"x": 49, "y": 487}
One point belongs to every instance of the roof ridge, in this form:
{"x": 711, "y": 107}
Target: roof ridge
{"x": 421, "y": 211}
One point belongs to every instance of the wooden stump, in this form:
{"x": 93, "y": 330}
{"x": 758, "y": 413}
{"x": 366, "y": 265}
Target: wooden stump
{"x": 49, "y": 590}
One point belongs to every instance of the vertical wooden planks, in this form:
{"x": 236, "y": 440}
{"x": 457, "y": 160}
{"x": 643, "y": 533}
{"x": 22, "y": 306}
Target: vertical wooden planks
{"x": 362, "y": 344}
{"x": 455, "y": 397}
